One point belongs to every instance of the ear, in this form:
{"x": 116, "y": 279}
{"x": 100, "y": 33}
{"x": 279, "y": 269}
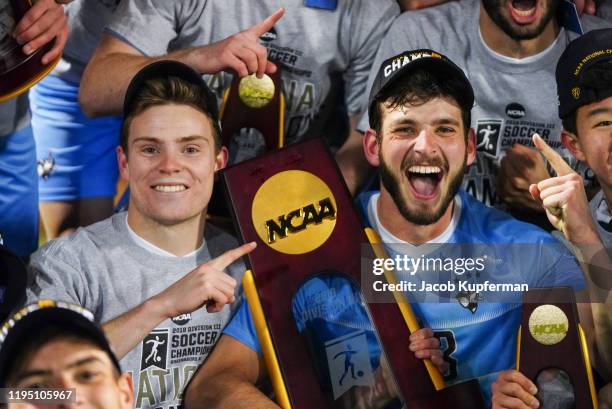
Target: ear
{"x": 371, "y": 147}
{"x": 123, "y": 164}
{"x": 572, "y": 143}
{"x": 126, "y": 390}
{"x": 471, "y": 146}
{"x": 221, "y": 158}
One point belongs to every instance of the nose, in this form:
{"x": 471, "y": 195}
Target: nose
{"x": 68, "y": 388}
{"x": 170, "y": 163}
{"x": 425, "y": 142}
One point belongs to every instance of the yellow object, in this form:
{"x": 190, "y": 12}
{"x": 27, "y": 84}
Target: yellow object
{"x": 265, "y": 339}
{"x": 404, "y": 306}
{"x": 302, "y": 216}
{"x": 548, "y": 324}
{"x": 256, "y": 92}
{"x": 518, "y": 348}
{"x": 587, "y": 365}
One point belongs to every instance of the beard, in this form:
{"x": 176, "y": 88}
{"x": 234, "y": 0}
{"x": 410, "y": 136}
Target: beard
{"x": 495, "y": 10}
{"x": 392, "y": 184}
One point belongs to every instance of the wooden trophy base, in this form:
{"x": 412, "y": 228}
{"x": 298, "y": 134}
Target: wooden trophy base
{"x": 550, "y": 338}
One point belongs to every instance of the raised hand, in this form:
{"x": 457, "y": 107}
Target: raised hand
{"x": 563, "y": 197}
{"x": 241, "y": 52}
{"x": 208, "y": 284}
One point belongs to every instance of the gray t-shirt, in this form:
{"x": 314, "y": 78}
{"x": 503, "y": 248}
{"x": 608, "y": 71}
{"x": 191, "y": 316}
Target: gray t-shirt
{"x": 14, "y": 115}
{"x": 103, "y": 269}
{"x": 86, "y": 21}
{"x": 514, "y": 97}
{"x": 602, "y": 217}
{"x": 323, "y": 53}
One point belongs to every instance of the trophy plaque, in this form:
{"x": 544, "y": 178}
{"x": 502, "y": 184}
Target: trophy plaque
{"x": 552, "y": 350}
{"x": 324, "y": 346}
{"x": 18, "y": 71}
{"x": 12, "y": 282}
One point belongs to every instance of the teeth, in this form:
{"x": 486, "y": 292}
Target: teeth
{"x": 170, "y": 188}
{"x": 424, "y": 169}
{"x": 525, "y": 13}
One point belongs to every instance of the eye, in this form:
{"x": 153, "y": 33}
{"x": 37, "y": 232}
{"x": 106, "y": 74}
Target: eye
{"x": 404, "y": 130}
{"x": 149, "y": 150}
{"x": 445, "y": 130}
{"x": 87, "y": 375}
{"x": 192, "y": 149}
{"x": 34, "y": 385}
{"x": 603, "y": 124}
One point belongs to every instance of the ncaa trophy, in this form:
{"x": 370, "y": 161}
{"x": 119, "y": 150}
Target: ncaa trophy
{"x": 553, "y": 352}
{"x": 324, "y": 345}
{"x": 18, "y": 71}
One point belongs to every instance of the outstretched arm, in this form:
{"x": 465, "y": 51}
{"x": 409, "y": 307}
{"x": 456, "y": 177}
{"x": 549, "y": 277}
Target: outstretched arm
{"x": 564, "y": 199}
{"x": 115, "y": 62}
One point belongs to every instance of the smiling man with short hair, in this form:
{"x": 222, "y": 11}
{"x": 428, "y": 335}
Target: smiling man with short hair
{"x": 147, "y": 273}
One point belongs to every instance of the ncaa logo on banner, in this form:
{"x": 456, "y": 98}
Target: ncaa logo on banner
{"x": 348, "y": 360}
{"x": 487, "y": 136}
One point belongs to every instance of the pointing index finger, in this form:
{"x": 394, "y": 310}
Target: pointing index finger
{"x": 556, "y": 161}
{"x": 265, "y": 26}
{"x": 227, "y": 258}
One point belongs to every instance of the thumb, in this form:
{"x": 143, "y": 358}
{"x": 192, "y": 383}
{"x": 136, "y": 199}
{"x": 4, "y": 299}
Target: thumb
{"x": 535, "y": 192}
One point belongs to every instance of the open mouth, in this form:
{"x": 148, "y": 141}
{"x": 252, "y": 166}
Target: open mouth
{"x": 523, "y": 11}
{"x": 424, "y": 180}
{"x": 170, "y": 188}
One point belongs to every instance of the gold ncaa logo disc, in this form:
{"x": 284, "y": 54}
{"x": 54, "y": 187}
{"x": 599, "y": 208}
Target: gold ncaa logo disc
{"x": 256, "y": 92}
{"x": 548, "y": 324}
{"x": 576, "y": 92}
{"x": 294, "y": 212}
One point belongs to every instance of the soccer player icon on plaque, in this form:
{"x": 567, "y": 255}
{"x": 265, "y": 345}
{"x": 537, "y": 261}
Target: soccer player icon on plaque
{"x": 18, "y": 71}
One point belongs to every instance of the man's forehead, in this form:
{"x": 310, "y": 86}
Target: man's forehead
{"x": 177, "y": 120}
{"x": 58, "y": 355}
{"x": 434, "y": 109}
{"x": 77, "y": 350}
{"x": 170, "y": 139}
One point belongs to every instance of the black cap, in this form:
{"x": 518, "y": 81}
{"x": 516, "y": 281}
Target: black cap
{"x": 73, "y": 319}
{"x": 165, "y": 69}
{"x": 432, "y": 61}
{"x": 586, "y": 50}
